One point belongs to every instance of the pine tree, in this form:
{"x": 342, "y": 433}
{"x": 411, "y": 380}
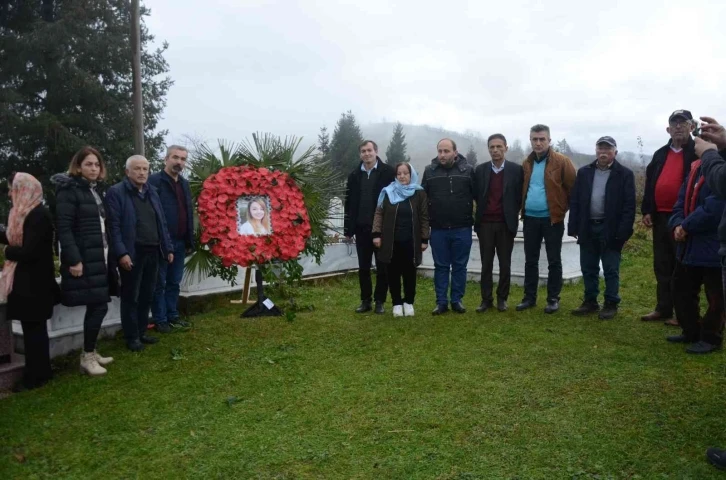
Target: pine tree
{"x": 515, "y": 152}
{"x": 396, "y": 151}
{"x": 471, "y": 157}
{"x": 344, "y": 147}
{"x": 324, "y": 142}
{"x": 564, "y": 148}
{"x": 65, "y": 81}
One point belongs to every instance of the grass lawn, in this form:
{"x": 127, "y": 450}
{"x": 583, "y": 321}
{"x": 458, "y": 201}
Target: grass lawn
{"x": 339, "y": 395}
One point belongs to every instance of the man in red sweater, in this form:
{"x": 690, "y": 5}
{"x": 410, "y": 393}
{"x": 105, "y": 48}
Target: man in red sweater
{"x": 663, "y": 179}
{"x": 498, "y": 193}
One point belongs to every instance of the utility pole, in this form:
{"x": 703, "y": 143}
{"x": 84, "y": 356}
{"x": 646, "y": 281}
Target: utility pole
{"x": 136, "y": 71}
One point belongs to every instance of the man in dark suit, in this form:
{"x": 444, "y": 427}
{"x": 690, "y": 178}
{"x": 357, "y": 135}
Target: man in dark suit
{"x": 138, "y": 241}
{"x": 498, "y": 193}
{"x": 602, "y": 212}
{"x": 362, "y": 189}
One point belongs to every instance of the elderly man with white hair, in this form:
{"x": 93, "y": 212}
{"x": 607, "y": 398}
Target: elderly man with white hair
{"x": 138, "y": 241}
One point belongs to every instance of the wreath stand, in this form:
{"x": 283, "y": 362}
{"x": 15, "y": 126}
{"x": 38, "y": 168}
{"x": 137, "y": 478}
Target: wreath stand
{"x": 263, "y": 307}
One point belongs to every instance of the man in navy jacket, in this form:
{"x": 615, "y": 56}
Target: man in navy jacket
{"x": 602, "y": 212}
{"x": 138, "y": 241}
{"x": 694, "y": 224}
{"x": 713, "y": 167}
{"x": 176, "y": 201}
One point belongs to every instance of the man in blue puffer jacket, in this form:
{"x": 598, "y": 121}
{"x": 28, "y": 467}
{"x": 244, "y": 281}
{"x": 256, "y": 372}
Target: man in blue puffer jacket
{"x": 713, "y": 167}
{"x": 694, "y": 224}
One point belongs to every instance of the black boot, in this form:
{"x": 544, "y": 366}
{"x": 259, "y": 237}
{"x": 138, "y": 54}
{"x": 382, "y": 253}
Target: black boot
{"x": 586, "y": 308}
{"x": 485, "y": 305}
{"x": 364, "y": 307}
{"x": 608, "y": 312}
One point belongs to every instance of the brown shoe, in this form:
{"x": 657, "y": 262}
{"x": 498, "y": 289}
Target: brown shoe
{"x": 672, "y": 322}
{"x": 653, "y": 316}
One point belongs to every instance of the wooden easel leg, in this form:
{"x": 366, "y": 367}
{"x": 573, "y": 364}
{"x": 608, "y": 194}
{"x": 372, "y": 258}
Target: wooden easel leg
{"x": 245, "y": 289}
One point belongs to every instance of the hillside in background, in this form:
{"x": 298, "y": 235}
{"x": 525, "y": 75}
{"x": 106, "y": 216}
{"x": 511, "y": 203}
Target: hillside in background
{"x": 421, "y": 143}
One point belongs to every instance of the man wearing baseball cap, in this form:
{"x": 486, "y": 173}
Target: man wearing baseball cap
{"x": 663, "y": 179}
{"x": 602, "y": 212}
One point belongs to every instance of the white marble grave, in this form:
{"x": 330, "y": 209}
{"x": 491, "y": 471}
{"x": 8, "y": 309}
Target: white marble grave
{"x": 65, "y": 329}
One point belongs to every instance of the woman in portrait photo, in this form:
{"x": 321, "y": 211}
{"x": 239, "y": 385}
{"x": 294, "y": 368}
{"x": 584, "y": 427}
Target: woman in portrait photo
{"x": 258, "y": 218}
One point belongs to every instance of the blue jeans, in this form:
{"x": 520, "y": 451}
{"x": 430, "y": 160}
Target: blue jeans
{"x": 592, "y": 252}
{"x": 166, "y": 294}
{"x": 450, "y": 249}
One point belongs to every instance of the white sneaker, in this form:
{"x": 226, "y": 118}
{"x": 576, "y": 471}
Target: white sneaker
{"x": 103, "y": 361}
{"x": 397, "y": 311}
{"x": 408, "y": 309}
{"x": 90, "y": 366}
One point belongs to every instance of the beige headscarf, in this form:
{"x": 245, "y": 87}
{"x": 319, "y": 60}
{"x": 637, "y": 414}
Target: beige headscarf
{"x": 27, "y": 194}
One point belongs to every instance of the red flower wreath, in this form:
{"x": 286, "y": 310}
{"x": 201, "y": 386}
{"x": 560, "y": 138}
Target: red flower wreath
{"x": 217, "y": 207}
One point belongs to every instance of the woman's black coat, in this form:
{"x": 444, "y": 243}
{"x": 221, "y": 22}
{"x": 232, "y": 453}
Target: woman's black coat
{"x": 35, "y": 290}
{"x": 78, "y": 222}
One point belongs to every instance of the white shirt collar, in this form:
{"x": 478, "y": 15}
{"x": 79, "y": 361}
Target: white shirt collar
{"x": 497, "y": 170}
{"x": 363, "y": 168}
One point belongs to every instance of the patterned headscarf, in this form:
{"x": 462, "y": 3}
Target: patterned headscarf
{"x": 27, "y": 194}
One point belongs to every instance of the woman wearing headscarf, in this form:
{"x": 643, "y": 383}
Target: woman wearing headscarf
{"x": 80, "y": 221}
{"x": 28, "y": 277}
{"x": 401, "y": 234}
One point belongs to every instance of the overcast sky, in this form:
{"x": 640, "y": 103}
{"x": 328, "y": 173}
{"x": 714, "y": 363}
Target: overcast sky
{"x": 618, "y": 68}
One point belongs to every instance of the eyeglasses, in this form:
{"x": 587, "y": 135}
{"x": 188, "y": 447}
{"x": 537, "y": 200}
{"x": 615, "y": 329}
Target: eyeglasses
{"x": 681, "y": 124}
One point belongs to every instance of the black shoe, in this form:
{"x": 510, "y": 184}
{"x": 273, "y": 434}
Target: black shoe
{"x": 135, "y": 345}
{"x": 702, "y": 347}
{"x": 502, "y": 305}
{"x": 485, "y": 305}
{"x": 525, "y": 304}
{"x": 608, "y": 312}
{"x": 679, "y": 339}
{"x": 458, "y": 307}
{"x": 716, "y": 457}
{"x": 586, "y": 308}
{"x": 179, "y": 323}
{"x": 148, "y": 339}
{"x": 163, "y": 327}
{"x": 552, "y": 306}
{"x": 440, "y": 309}
{"x": 379, "y": 308}
{"x": 363, "y": 307}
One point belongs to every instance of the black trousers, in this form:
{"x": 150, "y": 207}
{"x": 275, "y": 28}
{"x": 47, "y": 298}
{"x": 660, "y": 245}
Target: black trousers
{"x": 535, "y": 230}
{"x": 402, "y": 266}
{"x": 687, "y": 281}
{"x": 95, "y": 314}
{"x": 664, "y": 263}
{"x": 495, "y": 238}
{"x": 366, "y": 256}
{"x": 37, "y": 354}
{"x": 137, "y": 290}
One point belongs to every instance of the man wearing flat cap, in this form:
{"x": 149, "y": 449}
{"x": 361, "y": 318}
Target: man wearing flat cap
{"x": 663, "y": 179}
{"x": 602, "y": 212}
